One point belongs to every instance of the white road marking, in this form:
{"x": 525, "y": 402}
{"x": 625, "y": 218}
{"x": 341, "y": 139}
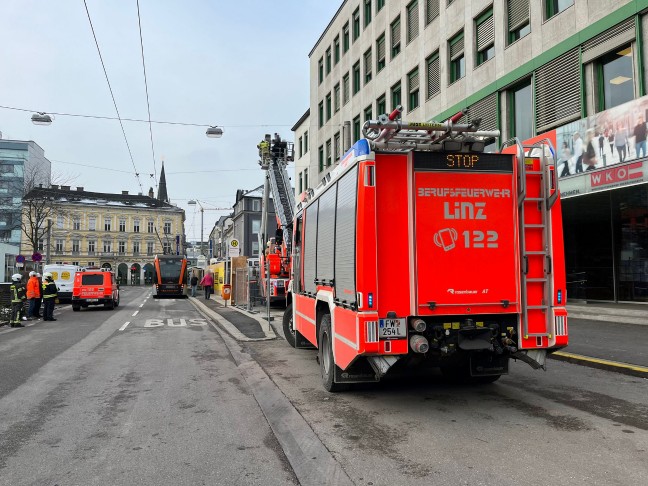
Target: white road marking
{"x": 124, "y": 326}
{"x": 135, "y": 313}
{"x": 142, "y": 305}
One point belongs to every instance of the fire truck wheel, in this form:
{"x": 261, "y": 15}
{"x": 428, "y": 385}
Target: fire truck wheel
{"x": 326, "y": 360}
{"x": 289, "y": 331}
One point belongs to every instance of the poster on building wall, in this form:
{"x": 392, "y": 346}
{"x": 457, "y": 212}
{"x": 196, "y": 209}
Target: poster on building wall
{"x": 604, "y": 139}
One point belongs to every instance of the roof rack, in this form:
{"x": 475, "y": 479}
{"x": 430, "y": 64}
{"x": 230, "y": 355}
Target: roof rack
{"x": 389, "y": 133}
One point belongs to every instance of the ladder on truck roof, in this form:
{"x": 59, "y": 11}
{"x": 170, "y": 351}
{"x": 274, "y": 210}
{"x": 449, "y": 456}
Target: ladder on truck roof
{"x": 276, "y": 163}
{"x": 390, "y": 134}
{"x": 536, "y": 163}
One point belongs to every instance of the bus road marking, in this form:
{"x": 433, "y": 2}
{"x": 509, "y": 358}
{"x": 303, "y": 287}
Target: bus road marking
{"x": 142, "y": 305}
{"x": 124, "y": 326}
{"x": 135, "y": 313}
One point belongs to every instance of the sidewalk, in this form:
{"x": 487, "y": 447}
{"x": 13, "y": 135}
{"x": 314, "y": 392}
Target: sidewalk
{"x": 610, "y": 312}
{"x": 240, "y": 324}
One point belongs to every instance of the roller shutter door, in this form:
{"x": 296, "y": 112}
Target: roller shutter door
{"x": 345, "y": 237}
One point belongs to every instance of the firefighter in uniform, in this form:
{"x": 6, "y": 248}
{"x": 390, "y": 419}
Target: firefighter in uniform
{"x": 17, "y": 290}
{"x": 264, "y": 149}
{"x": 49, "y": 296}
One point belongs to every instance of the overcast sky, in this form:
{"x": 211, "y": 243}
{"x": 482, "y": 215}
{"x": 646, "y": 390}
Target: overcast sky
{"x": 242, "y": 65}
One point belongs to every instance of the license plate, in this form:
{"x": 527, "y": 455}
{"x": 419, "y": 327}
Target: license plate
{"x": 93, "y": 300}
{"x": 390, "y": 328}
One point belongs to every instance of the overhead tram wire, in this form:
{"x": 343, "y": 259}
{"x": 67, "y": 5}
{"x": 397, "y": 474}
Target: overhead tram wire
{"x": 148, "y": 106}
{"x": 130, "y": 153}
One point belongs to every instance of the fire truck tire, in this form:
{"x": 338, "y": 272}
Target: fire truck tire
{"x": 326, "y": 360}
{"x": 76, "y": 307}
{"x": 289, "y": 331}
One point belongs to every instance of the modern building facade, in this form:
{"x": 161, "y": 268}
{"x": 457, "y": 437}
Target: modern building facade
{"x": 302, "y": 129}
{"x": 122, "y": 232}
{"x": 23, "y": 165}
{"x": 522, "y": 67}
{"x": 246, "y": 221}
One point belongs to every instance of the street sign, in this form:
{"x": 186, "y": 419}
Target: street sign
{"x": 19, "y": 264}
{"x": 37, "y": 257}
{"x": 234, "y": 248}
{"x": 20, "y": 259}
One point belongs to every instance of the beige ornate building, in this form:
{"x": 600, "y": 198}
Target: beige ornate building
{"x": 119, "y": 231}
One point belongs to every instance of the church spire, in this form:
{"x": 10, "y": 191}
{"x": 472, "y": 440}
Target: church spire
{"x": 162, "y": 189}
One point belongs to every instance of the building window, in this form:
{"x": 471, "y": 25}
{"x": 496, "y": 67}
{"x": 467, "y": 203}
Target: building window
{"x": 345, "y": 38}
{"x": 60, "y": 222}
{"x": 395, "y": 95}
{"x": 76, "y": 245}
{"x": 336, "y": 146}
{"x": 256, "y": 205}
{"x": 92, "y": 223}
{"x": 91, "y": 247}
{"x": 59, "y": 246}
{"x": 368, "y": 113}
{"x": 356, "y": 24}
{"x": 356, "y": 128}
{"x": 306, "y": 179}
{"x": 367, "y": 65}
{"x": 301, "y": 146}
{"x": 380, "y": 53}
{"x": 431, "y": 10}
{"x": 345, "y": 88}
{"x": 336, "y": 99}
{"x": 395, "y": 37}
{"x": 413, "y": 89}
{"x": 107, "y": 246}
{"x": 149, "y": 226}
{"x": 554, "y": 7}
{"x": 381, "y": 105}
{"x": 167, "y": 228}
{"x": 122, "y": 225}
{"x": 166, "y": 248}
{"x": 320, "y": 70}
{"x": 328, "y": 106}
{"x": 518, "y": 19}
{"x": 336, "y": 50}
{"x": 107, "y": 224}
{"x": 301, "y": 183}
{"x": 320, "y": 113}
{"x": 41, "y": 245}
{"x": 150, "y": 247}
{"x": 433, "y": 75}
{"x": 615, "y": 78}
{"x": 367, "y": 12}
{"x": 457, "y": 58}
{"x": 306, "y": 141}
{"x": 328, "y": 153}
{"x": 356, "y": 77}
{"x": 485, "y": 36}
{"x": 121, "y": 247}
{"x": 521, "y": 101}
{"x": 412, "y": 21}
{"x": 320, "y": 158}
{"x": 76, "y": 223}
{"x": 328, "y": 60}
{"x": 136, "y": 247}
{"x": 379, "y": 5}
{"x": 136, "y": 226}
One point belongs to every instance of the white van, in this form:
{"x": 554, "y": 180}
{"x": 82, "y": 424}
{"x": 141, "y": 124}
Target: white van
{"x": 63, "y": 276}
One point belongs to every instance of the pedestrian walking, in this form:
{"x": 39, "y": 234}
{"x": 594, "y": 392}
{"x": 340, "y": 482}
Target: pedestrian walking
{"x": 17, "y": 290}
{"x": 194, "y": 284}
{"x": 50, "y": 293}
{"x": 33, "y": 296}
{"x": 207, "y": 282}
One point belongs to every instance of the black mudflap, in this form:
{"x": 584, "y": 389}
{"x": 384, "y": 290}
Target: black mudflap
{"x": 301, "y": 342}
{"x": 360, "y": 371}
{"x": 488, "y": 364}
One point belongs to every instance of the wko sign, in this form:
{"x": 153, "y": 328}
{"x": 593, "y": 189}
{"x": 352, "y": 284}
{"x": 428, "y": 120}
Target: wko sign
{"x": 617, "y": 175}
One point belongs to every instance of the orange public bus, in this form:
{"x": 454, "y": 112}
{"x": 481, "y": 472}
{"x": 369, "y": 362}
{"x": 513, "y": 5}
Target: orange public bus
{"x": 169, "y": 277}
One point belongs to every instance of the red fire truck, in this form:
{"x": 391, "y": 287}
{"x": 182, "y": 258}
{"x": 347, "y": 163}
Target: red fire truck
{"x": 421, "y": 249}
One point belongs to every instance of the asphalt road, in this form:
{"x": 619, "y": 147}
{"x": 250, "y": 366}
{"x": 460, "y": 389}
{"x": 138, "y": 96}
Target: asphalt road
{"x": 159, "y": 402}
{"x": 171, "y": 399}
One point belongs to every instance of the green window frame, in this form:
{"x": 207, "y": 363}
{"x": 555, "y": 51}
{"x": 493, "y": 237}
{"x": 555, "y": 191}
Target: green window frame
{"x": 356, "y": 78}
{"x": 336, "y": 50}
{"x": 395, "y": 31}
{"x": 412, "y": 20}
{"x": 368, "y": 113}
{"x": 457, "y": 57}
{"x": 433, "y": 75}
{"x": 518, "y": 22}
{"x": 413, "y": 91}
{"x": 320, "y": 112}
{"x": 345, "y": 89}
{"x": 380, "y": 53}
{"x": 379, "y": 5}
{"x": 320, "y": 70}
{"x": 356, "y": 129}
{"x": 396, "y": 95}
{"x": 431, "y": 11}
{"x": 336, "y": 98}
{"x": 328, "y": 153}
{"x": 328, "y": 61}
{"x": 301, "y": 146}
{"x": 356, "y": 24}
{"x": 328, "y": 106}
{"x": 554, "y": 7}
{"x": 513, "y": 121}
{"x": 345, "y": 38}
{"x": 381, "y": 105}
{"x": 367, "y": 65}
{"x": 485, "y": 37}
{"x": 320, "y": 153}
{"x": 622, "y": 54}
{"x": 301, "y": 182}
{"x": 306, "y": 141}
{"x": 367, "y": 13}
